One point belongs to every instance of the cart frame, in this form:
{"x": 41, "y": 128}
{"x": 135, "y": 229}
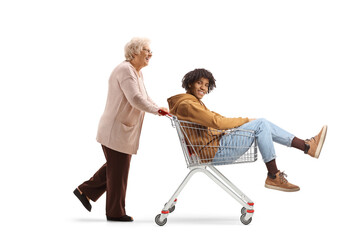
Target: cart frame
{"x": 209, "y": 170}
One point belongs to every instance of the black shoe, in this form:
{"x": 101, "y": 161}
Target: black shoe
{"x": 83, "y": 199}
{"x": 124, "y": 218}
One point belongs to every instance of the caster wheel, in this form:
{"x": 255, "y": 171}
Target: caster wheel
{"x": 243, "y": 211}
{"x": 245, "y": 222}
{"x": 172, "y": 209}
{"x": 158, "y": 222}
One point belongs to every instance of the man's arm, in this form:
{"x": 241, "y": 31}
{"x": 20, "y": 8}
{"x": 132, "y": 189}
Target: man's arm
{"x": 193, "y": 111}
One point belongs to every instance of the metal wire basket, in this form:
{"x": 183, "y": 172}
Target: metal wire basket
{"x": 207, "y": 146}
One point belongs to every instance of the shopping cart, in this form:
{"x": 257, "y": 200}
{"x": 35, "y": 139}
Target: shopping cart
{"x": 204, "y": 148}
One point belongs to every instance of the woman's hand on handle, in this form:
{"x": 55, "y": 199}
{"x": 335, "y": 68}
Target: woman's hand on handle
{"x": 164, "y": 110}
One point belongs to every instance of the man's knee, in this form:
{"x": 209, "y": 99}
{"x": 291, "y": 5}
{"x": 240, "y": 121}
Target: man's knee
{"x": 263, "y": 122}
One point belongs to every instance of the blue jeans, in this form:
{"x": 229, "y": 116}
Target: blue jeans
{"x": 266, "y": 134}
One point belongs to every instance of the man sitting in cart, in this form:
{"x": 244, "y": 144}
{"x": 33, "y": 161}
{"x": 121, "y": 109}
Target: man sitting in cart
{"x": 189, "y": 107}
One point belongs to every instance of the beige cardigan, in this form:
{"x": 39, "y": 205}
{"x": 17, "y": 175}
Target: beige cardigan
{"x": 127, "y": 102}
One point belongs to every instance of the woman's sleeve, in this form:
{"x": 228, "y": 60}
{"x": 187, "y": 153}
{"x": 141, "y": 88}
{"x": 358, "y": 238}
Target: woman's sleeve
{"x": 150, "y": 100}
{"x": 130, "y": 85}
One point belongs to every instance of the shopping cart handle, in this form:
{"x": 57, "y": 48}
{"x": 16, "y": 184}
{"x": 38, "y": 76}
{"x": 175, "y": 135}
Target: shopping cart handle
{"x": 163, "y": 113}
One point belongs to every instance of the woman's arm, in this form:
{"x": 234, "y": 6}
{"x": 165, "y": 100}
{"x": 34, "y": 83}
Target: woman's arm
{"x": 130, "y": 86}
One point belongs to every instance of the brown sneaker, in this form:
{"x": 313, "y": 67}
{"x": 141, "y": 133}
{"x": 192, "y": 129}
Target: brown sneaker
{"x": 280, "y": 183}
{"x": 315, "y": 144}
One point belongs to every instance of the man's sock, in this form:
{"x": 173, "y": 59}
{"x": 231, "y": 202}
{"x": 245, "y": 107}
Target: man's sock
{"x": 298, "y": 143}
{"x": 272, "y": 168}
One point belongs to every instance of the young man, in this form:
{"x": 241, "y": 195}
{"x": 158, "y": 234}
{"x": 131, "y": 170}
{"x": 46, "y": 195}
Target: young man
{"x": 189, "y": 107}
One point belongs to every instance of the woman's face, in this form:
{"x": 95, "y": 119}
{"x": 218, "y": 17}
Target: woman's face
{"x": 143, "y": 58}
{"x": 199, "y": 88}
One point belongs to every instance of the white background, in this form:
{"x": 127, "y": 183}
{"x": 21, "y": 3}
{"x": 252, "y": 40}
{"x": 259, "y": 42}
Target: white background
{"x": 295, "y": 63}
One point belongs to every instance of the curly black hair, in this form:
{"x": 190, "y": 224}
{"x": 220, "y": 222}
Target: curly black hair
{"x": 197, "y": 74}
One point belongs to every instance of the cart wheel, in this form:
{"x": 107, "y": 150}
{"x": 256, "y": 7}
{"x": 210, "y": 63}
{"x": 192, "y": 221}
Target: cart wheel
{"x": 172, "y": 209}
{"x": 158, "y": 222}
{"x": 243, "y": 210}
{"x": 242, "y": 219}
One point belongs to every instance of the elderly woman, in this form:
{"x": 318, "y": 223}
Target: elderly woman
{"x": 189, "y": 107}
{"x": 119, "y": 131}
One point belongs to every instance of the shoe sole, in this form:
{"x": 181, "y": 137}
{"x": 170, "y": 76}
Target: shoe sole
{"x": 321, "y": 142}
{"x": 120, "y": 219}
{"x": 282, "y": 189}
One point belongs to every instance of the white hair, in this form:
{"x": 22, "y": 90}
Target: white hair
{"x": 134, "y": 47}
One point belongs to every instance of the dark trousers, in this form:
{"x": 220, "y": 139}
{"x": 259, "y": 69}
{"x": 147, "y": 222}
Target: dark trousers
{"x": 111, "y": 177}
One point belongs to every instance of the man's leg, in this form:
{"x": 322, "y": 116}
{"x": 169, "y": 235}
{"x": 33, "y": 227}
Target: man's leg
{"x": 266, "y": 133}
{"x": 311, "y": 146}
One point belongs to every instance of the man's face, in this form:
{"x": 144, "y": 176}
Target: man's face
{"x": 199, "y": 88}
